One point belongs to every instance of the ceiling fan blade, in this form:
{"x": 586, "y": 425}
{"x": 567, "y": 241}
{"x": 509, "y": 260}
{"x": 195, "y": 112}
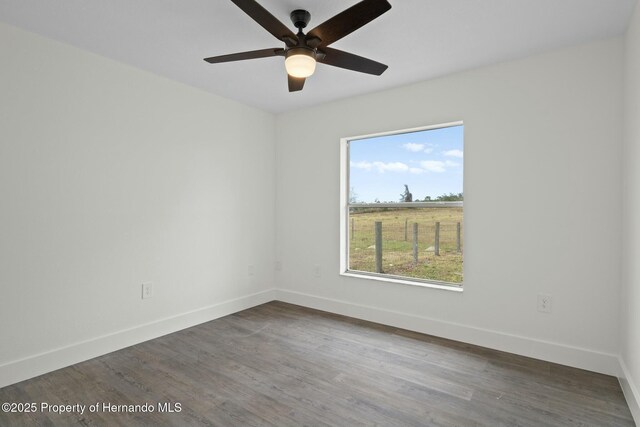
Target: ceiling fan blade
{"x": 266, "y": 20}
{"x": 348, "y": 21}
{"x": 339, "y": 58}
{"x": 295, "y": 83}
{"x": 253, "y": 54}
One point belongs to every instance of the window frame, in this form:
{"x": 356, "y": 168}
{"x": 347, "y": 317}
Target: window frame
{"x": 345, "y": 206}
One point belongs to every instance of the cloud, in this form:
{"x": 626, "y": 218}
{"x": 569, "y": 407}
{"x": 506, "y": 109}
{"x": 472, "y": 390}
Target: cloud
{"x": 433, "y": 166}
{"x": 454, "y": 153}
{"x": 381, "y": 167}
{"x": 413, "y": 147}
{"x": 362, "y": 165}
{"x": 391, "y": 167}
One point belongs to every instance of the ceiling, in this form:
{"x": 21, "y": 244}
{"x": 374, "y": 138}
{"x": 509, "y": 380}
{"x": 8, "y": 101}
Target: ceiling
{"x": 418, "y": 39}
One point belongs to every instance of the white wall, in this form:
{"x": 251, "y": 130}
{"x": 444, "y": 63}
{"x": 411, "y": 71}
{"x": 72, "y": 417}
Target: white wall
{"x": 109, "y": 177}
{"x": 542, "y": 205}
{"x": 631, "y": 237}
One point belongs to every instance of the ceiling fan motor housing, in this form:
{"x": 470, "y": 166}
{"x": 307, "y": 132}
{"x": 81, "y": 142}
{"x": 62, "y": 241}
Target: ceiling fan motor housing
{"x": 300, "y": 19}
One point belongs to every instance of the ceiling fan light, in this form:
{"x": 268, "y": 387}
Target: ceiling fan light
{"x": 300, "y": 62}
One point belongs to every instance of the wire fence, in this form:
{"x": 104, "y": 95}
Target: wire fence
{"x": 450, "y": 236}
{"x": 422, "y": 243}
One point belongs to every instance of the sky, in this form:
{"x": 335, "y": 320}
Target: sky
{"x": 429, "y": 162}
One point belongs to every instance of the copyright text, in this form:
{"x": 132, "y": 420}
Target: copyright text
{"x": 103, "y": 407}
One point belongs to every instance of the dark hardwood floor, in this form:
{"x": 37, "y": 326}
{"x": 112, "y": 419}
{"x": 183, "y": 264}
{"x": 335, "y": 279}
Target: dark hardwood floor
{"x": 284, "y": 365}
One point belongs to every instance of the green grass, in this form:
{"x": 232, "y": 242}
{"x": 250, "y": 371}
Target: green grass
{"x": 397, "y": 253}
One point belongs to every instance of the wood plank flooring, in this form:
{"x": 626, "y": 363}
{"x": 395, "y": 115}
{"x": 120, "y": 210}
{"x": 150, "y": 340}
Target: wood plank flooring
{"x": 284, "y": 365}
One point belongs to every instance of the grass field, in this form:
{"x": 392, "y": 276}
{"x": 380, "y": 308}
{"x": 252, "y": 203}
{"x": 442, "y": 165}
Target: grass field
{"x": 397, "y": 252}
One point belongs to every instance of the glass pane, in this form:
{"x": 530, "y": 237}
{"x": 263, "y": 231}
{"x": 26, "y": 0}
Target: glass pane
{"x": 417, "y": 242}
{"x": 427, "y": 164}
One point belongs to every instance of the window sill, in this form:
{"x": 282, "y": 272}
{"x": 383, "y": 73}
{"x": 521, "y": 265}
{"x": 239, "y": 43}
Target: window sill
{"x": 381, "y": 278}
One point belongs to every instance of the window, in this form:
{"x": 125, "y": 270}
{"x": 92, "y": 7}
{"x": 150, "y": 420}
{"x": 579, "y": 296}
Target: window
{"x": 402, "y": 206}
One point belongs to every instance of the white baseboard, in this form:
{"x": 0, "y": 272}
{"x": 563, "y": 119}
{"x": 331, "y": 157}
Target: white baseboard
{"x": 631, "y": 391}
{"x": 549, "y": 351}
{"x": 29, "y": 367}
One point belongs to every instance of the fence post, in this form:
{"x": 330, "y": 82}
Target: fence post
{"x": 437, "y": 247}
{"x": 353, "y": 228}
{"x": 406, "y": 226}
{"x": 378, "y": 246}
{"x": 458, "y": 238}
{"x": 415, "y": 243}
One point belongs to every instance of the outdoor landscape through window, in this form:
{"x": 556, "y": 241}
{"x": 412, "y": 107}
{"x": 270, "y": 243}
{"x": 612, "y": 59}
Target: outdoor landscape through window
{"x": 405, "y": 209}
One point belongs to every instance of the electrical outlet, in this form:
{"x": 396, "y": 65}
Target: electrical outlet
{"x": 147, "y": 290}
{"x": 317, "y": 272}
{"x": 251, "y": 270}
{"x": 545, "y": 303}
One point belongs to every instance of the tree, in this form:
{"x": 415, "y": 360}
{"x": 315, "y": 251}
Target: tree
{"x": 451, "y": 197}
{"x": 353, "y": 196}
{"x": 406, "y": 196}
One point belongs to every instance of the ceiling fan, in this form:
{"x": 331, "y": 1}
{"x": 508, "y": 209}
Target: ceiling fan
{"x": 302, "y": 51}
